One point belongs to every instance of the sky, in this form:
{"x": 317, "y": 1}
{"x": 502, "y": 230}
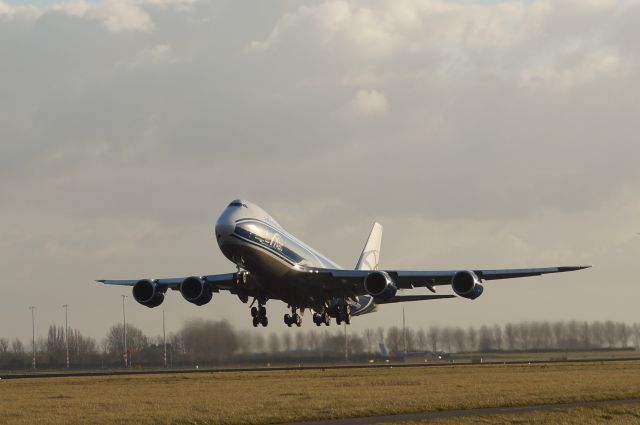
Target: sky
{"x": 480, "y": 134}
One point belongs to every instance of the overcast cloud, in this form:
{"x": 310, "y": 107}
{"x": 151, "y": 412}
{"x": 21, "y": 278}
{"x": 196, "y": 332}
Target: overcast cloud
{"x": 481, "y": 134}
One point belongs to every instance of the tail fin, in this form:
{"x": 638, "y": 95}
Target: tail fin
{"x": 371, "y": 253}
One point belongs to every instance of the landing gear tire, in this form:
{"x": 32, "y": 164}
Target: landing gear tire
{"x": 259, "y": 315}
{"x": 287, "y": 320}
{"x": 298, "y": 320}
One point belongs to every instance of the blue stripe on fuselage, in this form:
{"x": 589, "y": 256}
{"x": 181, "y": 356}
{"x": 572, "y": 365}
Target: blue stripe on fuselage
{"x": 303, "y": 255}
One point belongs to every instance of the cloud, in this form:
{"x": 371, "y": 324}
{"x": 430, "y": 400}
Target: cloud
{"x": 479, "y": 133}
{"x": 368, "y": 103}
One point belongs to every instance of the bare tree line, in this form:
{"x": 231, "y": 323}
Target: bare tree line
{"x": 216, "y": 342}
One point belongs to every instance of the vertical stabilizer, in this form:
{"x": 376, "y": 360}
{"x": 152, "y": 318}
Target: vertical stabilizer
{"x": 371, "y": 253}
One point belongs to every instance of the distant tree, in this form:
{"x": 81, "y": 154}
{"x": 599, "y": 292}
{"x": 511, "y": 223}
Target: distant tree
{"x": 459, "y": 339}
{"x": 394, "y": 341}
{"x": 433, "y": 336}
{"x": 510, "y": 336}
{"x": 472, "y": 339}
{"x": 410, "y": 336}
{"x": 485, "y": 340}
{"x": 208, "y": 341}
{"x": 113, "y": 342}
{"x": 636, "y": 335}
{"x": 356, "y": 344}
{"x": 287, "y": 342}
{"x": 584, "y": 336}
{"x": 368, "y": 335}
{"x": 245, "y": 341}
{"x": 497, "y": 337}
{"x": 446, "y": 338}
{"x": 17, "y": 347}
{"x": 313, "y": 340}
{"x": 421, "y": 339}
{"x": 56, "y": 345}
{"x": 259, "y": 343}
{"x": 274, "y": 343}
{"x": 610, "y": 333}
{"x": 300, "y": 341}
{"x": 4, "y": 346}
{"x": 622, "y": 334}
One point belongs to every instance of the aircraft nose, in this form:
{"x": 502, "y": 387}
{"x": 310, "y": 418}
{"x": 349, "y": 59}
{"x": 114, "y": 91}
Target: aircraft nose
{"x": 225, "y": 225}
{"x": 224, "y": 228}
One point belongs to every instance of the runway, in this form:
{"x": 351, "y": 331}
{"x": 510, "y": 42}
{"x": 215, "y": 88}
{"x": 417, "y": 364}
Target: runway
{"x": 62, "y": 373}
{"x": 407, "y": 417}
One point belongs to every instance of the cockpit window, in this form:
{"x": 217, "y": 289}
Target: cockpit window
{"x": 237, "y": 204}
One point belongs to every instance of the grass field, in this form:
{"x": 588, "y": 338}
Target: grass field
{"x": 610, "y": 415}
{"x": 268, "y": 397}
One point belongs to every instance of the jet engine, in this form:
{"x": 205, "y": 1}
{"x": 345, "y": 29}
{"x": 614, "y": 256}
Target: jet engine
{"x": 380, "y": 285}
{"x": 466, "y": 284}
{"x": 148, "y": 293}
{"x": 196, "y": 290}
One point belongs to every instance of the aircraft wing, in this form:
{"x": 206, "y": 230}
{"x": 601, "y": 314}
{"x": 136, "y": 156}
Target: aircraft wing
{"x": 405, "y": 298}
{"x": 217, "y": 281}
{"x": 353, "y": 280}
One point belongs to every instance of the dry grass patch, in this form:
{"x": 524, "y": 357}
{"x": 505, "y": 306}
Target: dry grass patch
{"x": 610, "y": 415}
{"x": 268, "y": 397}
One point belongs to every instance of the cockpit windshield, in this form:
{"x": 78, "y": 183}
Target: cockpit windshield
{"x": 237, "y": 204}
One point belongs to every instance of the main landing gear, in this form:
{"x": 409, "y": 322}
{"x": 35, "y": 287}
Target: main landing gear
{"x": 343, "y": 314}
{"x": 293, "y": 319}
{"x": 321, "y": 319}
{"x": 259, "y": 315}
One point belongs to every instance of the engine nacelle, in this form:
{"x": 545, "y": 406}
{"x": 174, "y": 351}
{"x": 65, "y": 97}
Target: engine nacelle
{"x": 380, "y": 285}
{"x": 466, "y": 284}
{"x": 196, "y": 291}
{"x": 148, "y": 293}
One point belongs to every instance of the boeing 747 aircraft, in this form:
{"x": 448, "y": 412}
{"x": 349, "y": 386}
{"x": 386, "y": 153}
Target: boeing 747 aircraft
{"x": 274, "y": 265}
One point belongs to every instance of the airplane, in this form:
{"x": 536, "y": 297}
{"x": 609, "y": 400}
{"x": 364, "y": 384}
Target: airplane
{"x": 271, "y": 264}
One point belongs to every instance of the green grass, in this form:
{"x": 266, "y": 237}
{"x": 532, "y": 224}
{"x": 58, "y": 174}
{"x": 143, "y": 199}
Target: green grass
{"x": 268, "y": 397}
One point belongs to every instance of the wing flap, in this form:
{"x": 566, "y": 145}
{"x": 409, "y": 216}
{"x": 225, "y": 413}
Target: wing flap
{"x": 406, "y": 298}
{"x": 353, "y": 280}
{"x": 219, "y": 281}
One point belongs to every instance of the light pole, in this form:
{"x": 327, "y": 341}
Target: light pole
{"x": 124, "y": 333}
{"x": 66, "y": 330}
{"x": 346, "y": 344}
{"x": 404, "y": 335}
{"x": 164, "y": 337}
{"x": 33, "y": 335}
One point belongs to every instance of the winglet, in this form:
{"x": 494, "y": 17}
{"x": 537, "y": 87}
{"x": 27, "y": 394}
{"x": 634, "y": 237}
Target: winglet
{"x": 370, "y": 255}
{"x": 572, "y": 268}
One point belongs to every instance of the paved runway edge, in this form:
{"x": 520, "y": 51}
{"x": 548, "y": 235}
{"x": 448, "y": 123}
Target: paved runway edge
{"x": 63, "y": 374}
{"x": 406, "y": 417}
